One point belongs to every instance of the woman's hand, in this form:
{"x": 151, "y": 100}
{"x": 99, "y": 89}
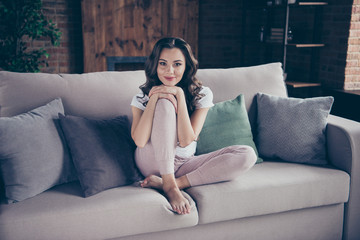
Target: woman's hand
{"x": 188, "y": 129}
{"x": 174, "y": 90}
{"x": 166, "y": 92}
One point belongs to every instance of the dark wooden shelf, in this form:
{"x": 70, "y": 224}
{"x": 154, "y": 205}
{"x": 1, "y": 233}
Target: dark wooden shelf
{"x": 302, "y": 84}
{"x": 345, "y": 103}
{"x": 315, "y": 3}
{"x": 306, "y": 45}
{"x": 276, "y": 36}
{"x": 311, "y": 3}
{"x": 351, "y": 92}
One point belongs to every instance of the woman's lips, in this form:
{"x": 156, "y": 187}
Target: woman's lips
{"x": 170, "y": 78}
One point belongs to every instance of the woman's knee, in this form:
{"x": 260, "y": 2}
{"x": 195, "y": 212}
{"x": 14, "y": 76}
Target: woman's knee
{"x": 240, "y": 158}
{"x": 250, "y": 156}
{"x": 164, "y": 105}
{"x": 246, "y": 153}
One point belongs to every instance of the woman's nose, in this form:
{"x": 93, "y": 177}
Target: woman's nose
{"x": 170, "y": 69}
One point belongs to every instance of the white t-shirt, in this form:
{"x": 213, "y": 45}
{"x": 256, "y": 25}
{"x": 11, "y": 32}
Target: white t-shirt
{"x": 205, "y": 102}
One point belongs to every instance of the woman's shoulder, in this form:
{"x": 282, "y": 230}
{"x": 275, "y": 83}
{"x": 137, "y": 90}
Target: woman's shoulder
{"x": 138, "y": 100}
{"x": 205, "y": 90}
{"x": 141, "y": 97}
{"x": 206, "y": 99}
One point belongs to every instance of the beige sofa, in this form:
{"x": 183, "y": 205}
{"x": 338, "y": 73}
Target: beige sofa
{"x": 274, "y": 200}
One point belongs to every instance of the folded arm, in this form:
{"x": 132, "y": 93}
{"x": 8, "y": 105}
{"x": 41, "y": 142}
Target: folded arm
{"x": 188, "y": 128}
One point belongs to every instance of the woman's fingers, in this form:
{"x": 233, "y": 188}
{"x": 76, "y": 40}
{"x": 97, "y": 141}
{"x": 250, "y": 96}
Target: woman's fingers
{"x": 165, "y": 92}
{"x": 162, "y": 89}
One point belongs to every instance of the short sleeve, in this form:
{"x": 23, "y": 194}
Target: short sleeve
{"x": 138, "y": 101}
{"x": 207, "y": 100}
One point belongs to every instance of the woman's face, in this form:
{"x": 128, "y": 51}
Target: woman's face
{"x": 171, "y": 66}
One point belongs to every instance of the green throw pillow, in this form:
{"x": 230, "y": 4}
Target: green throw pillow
{"x": 226, "y": 124}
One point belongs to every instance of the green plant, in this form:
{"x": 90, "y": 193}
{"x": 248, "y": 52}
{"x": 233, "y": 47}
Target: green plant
{"x": 22, "y": 21}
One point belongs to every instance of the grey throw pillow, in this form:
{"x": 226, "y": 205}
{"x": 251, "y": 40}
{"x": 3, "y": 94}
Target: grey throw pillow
{"x": 32, "y": 153}
{"x": 102, "y": 151}
{"x": 292, "y": 129}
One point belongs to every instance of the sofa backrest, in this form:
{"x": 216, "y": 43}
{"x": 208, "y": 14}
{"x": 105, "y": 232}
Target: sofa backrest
{"x": 108, "y": 94}
{"x": 229, "y": 83}
{"x": 93, "y": 95}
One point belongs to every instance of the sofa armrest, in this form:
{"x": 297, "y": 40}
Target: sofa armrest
{"x": 343, "y": 143}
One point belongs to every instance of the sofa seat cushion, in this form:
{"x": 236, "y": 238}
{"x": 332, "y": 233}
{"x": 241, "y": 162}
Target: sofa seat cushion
{"x": 271, "y": 187}
{"x": 62, "y": 213}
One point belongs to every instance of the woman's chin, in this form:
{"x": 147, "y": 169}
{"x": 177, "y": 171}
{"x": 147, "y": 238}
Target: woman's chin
{"x": 170, "y": 84}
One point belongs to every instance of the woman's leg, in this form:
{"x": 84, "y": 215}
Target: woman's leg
{"x": 222, "y": 165}
{"x": 157, "y": 157}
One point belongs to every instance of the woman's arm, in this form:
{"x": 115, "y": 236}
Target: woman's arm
{"x": 142, "y": 122}
{"x": 189, "y": 128}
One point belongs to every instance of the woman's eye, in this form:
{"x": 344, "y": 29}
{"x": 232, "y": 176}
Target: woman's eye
{"x": 177, "y": 64}
{"x": 162, "y": 63}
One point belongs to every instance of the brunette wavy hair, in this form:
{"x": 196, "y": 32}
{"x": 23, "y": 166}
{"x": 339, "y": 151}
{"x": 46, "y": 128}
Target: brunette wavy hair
{"x": 189, "y": 83}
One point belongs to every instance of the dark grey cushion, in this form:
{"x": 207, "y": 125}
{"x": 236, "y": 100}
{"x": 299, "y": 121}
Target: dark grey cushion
{"x": 32, "y": 153}
{"x": 292, "y": 129}
{"x": 102, "y": 151}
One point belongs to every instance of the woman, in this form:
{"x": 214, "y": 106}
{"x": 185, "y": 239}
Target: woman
{"x": 167, "y": 119}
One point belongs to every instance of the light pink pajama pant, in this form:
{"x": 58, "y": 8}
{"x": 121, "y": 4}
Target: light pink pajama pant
{"x": 158, "y": 155}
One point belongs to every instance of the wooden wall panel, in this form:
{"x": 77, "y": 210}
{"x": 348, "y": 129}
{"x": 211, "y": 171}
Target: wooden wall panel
{"x": 131, "y": 27}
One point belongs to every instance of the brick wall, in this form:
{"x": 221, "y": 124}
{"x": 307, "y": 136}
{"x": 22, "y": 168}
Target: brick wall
{"x": 220, "y": 39}
{"x": 220, "y": 33}
{"x": 352, "y": 68}
{"x": 336, "y": 24}
{"x": 254, "y": 52}
{"x": 68, "y": 57}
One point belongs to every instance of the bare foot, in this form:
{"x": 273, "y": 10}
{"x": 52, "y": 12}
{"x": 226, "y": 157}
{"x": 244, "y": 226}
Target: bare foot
{"x": 152, "y": 181}
{"x": 177, "y": 201}
{"x": 168, "y": 184}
